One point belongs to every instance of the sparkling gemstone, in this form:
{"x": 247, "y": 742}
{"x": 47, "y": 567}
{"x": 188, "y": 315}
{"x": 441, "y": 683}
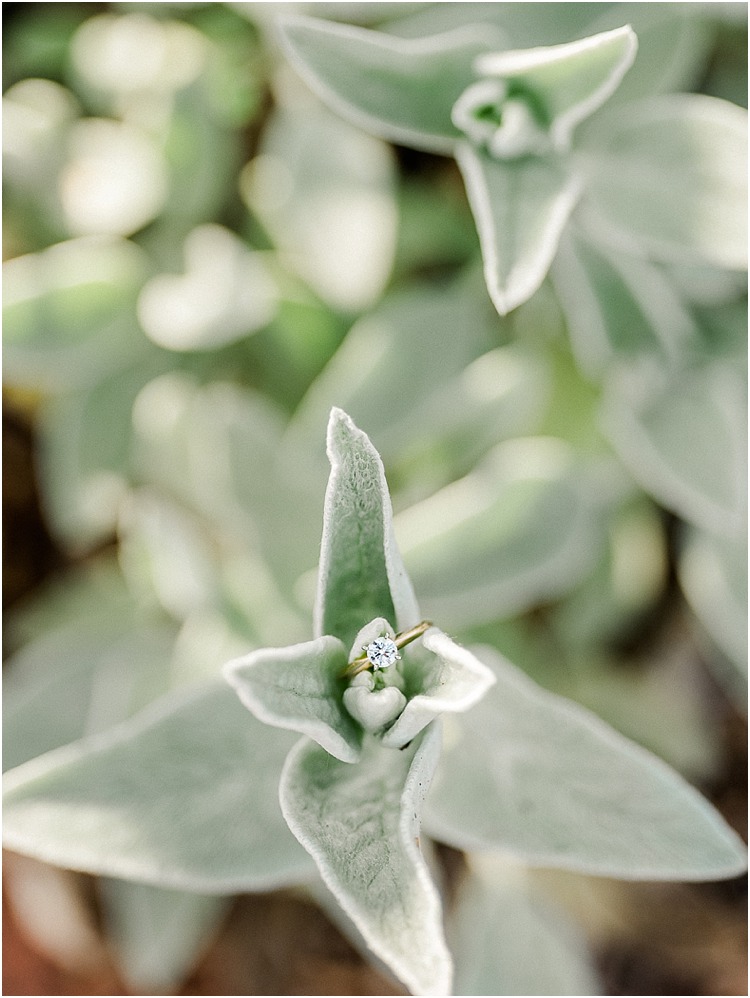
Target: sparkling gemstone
{"x": 382, "y": 652}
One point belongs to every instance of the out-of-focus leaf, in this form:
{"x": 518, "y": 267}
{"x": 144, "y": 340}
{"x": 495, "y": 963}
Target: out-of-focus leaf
{"x": 570, "y": 80}
{"x": 68, "y": 311}
{"x": 618, "y": 305}
{"x": 713, "y": 574}
{"x": 400, "y": 89}
{"x": 157, "y": 934}
{"x": 519, "y": 529}
{"x": 85, "y": 447}
{"x": 37, "y": 114}
{"x": 361, "y": 824}
{"x": 632, "y": 198}
{"x": 107, "y": 804}
{"x": 93, "y": 592}
{"x": 76, "y": 680}
{"x": 660, "y": 702}
{"x": 546, "y": 781}
{"x": 520, "y": 208}
{"x": 166, "y": 555}
{"x": 134, "y": 56}
{"x": 79, "y": 679}
{"x": 522, "y": 27}
{"x": 226, "y": 293}
{"x": 674, "y": 45}
{"x": 216, "y": 449}
{"x": 114, "y": 180}
{"x": 325, "y": 192}
{"x": 626, "y": 583}
{"x": 682, "y": 437}
{"x": 507, "y": 940}
{"x": 361, "y": 575}
{"x": 443, "y": 394}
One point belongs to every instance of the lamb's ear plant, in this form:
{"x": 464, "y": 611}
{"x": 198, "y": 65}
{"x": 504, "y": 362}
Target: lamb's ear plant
{"x": 535, "y": 143}
{"x": 196, "y": 793}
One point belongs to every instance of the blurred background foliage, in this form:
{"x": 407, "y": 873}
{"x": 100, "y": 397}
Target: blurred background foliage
{"x": 200, "y": 259}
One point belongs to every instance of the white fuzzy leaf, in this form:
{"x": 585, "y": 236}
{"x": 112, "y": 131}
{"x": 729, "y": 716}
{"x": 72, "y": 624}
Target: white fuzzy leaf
{"x": 543, "y": 779}
{"x": 299, "y": 688}
{"x": 399, "y": 89}
{"x": 634, "y": 198}
{"x": 570, "y": 80}
{"x": 361, "y": 825}
{"x": 520, "y": 207}
{"x": 182, "y": 796}
{"x": 361, "y": 575}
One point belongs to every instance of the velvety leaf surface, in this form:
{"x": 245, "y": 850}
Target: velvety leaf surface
{"x": 617, "y": 305}
{"x": 520, "y": 208}
{"x": 682, "y": 436}
{"x": 299, "y": 688}
{"x": 514, "y": 531}
{"x": 506, "y": 940}
{"x": 402, "y": 90}
{"x": 571, "y": 80}
{"x": 433, "y": 356}
{"x": 361, "y": 575}
{"x": 361, "y": 825}
{"x": 77, "y": 680}
{"x": 713, "y": 574}
{"x": 449, "y": 679}
{"x": 638, "y": 205}
{"x": 183, "y": 796}
{"x": 552, "y": 785}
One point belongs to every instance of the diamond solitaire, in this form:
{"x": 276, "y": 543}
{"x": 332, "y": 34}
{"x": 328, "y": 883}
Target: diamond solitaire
{"x": 382, "y": 652}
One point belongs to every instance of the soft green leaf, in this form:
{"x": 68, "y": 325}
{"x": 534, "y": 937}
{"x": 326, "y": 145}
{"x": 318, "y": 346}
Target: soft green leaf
{"x": 325, "y": 192}
{"x": 68, "y": 311}
{"x": 79, "y": 679}
{"x": 444, "y": 395}
{"x": 674, "y": 45}
{"x": 361, "y": 575}
{"x": 569, "y": 81}
{"x": 506, "y": 939}
{"x": 521, "y": 208}
{"x": 519, "y": 529}
{"x": 682, "y": 436}
{"x": 92, "y": 592}
{"x": 157, "y": 935}
{"x": 618, "y": 305}
{"x": 225, "y": 294}
{"x": 84, "y": 455}
{"x": 216, "y": 449}
{"x": 525, "y": 24}
{"x": 167, "y": 555}
{"x": 108, "y": 804}
{"x": 713, "y": 574}
{"x": 551, "y": 784}
{"x": 448, "y": 678}
{"x": 299, "y": 688}
{"x": 633, "y": 199}
{"x": 361, "y": 825}
{"x": 400, "y": 89}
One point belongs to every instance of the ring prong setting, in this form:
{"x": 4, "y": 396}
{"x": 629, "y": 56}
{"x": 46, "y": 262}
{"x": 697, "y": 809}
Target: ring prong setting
{"x": 383, "y": 652}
